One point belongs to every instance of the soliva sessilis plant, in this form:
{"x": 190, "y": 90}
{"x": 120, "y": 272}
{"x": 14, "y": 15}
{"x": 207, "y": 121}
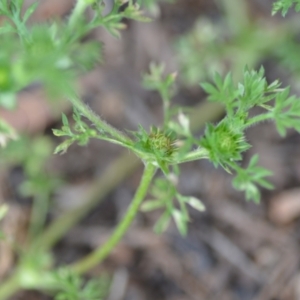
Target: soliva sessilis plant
{"x": 53, "y": 54}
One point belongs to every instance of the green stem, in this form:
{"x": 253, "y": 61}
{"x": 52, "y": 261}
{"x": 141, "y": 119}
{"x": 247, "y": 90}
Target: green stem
{"x": 102, "y": 252}
{"x": 194, "y": 155}
{"x": 98, "y": 122}
{"x": 116, "y": 172}
{"x": 77, "y": 12}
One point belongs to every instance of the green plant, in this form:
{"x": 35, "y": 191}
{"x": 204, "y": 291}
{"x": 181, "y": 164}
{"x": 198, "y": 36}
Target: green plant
{"x": 285, "y": 5}
{"x": 39, "y": 183}
{"x": 232, "y": 42}
{"x": 54, "y": 55}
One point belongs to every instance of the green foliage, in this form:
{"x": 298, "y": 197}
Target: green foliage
{"x": 113, "y": 21}
{"x": 38, "y": 183}
{"x": 287, "y": 54}
{"x": 201, "y": 52}
{"x": 44, "y": 56}
{"x": 72, "y": 287}
{"x": 32, "y": 155}
{"x": 7, "y": 133}
{"x": 165, "y": 85}
{"x": 284, "y": 6}
{"x": 252, "y": 91}
{"x": 286, "y": 112}
{"x": 81, "y": 134}
{"x": 248, "y": 180}
{"x": 13, "y": 10}
{"x": 164, "y": 192}
{"x": 54, "y": 54}
{"x": 223, "y": 143}
{"x": 228, "y": 43}
{"x": 157, "y": 147}
{"x": 226, "y": 141}
{"x": 33, "y": 269}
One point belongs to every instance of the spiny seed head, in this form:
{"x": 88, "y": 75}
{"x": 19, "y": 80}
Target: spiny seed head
{"x": 224, "y": 143}
{"x": 161, "y": 142}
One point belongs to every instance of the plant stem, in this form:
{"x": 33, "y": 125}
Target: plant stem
{"x": 102, "y": 252}
{"x": 98, "y": 122}
{"x": 116, "y": 173}
{"x": 77, "y": 12}
{"x": 195, "y": 155}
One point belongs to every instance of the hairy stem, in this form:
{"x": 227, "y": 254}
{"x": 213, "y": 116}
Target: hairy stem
{"x": 200, "y": 153}
{"x": 98, "y": 122}
{"x": 102, "y": 252}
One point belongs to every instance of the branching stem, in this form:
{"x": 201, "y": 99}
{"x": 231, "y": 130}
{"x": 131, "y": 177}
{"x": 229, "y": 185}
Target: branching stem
{"x": 98, "y": 122}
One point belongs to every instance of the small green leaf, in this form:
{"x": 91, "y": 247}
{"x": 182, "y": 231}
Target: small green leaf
{"x": 151, "y": 205}
{"x": 284, "y": 6}
{"x": 63, "y": 147}
{"x": 3, "y": 211}
{"x": 184, "y": 122}
{"x": 249, "y": 179}
{"x": 6, "y": 133}
{"x": 15, "y": 7}
{"x": 65, "y": 120}
{"x": 180, "y": 220}
{"x": 253, "y": 161}
{"x": 31, "y": 9}
{"x": 162, "y": 223}
{"x": 58, "y": 132}
{"x": 208, "y": 88}
{"x": 195, "y": 203}
{"x": 286, "y": 112}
